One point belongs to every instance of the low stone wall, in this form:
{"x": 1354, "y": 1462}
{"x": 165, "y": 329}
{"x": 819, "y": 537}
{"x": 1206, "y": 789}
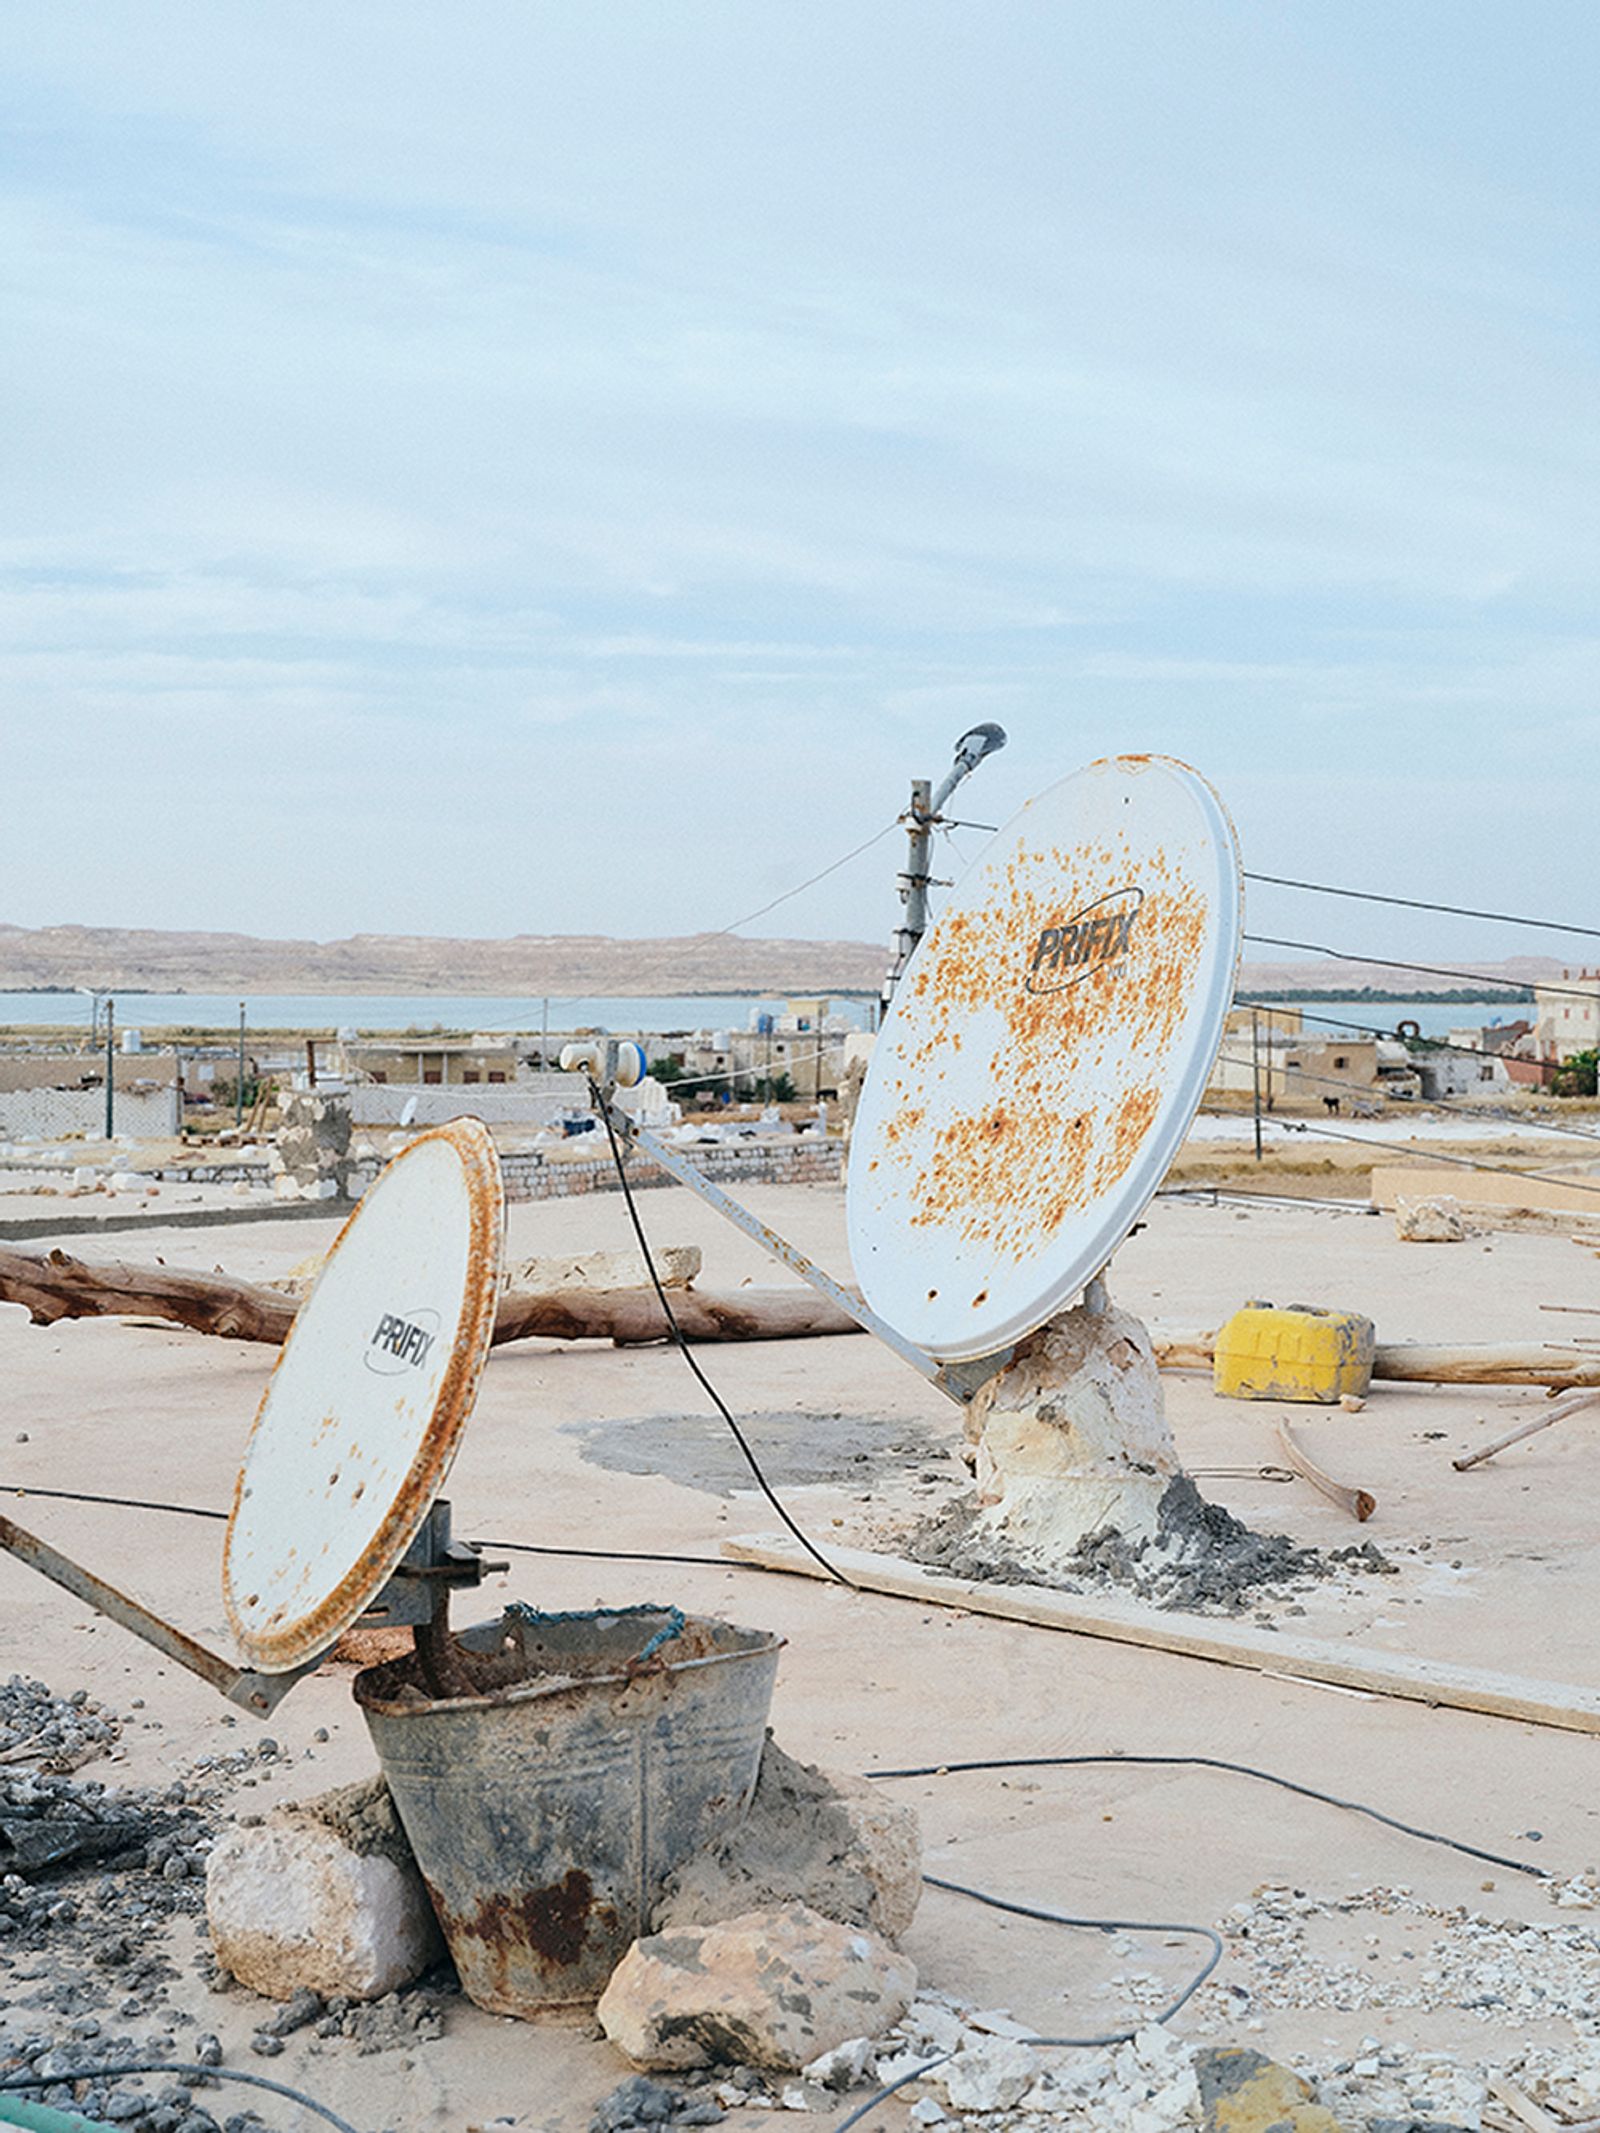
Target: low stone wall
{"x": 531, "y": 1176}
{"x": 535, "y": 1101}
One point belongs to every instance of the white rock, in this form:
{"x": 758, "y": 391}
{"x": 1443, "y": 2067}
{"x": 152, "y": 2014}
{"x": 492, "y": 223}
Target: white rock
{"x": 842, "y": 2067}
{"x": 774, "y": 1988}
{"x": 899, "y": 2066}
{"x": 336, "y": 1906}
{"x": 1438, "y": 1219}
{"x": 934, "y": 2025}
{"x": 927, "y": 2111}
{"x": 986, "y": 2076}
{"x": 995, "y": 2022}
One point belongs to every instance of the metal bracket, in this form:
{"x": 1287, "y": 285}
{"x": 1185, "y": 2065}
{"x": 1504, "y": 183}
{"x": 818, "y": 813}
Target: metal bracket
{"x": 421, "y": 1581}
{"x": 957, "y": 1381}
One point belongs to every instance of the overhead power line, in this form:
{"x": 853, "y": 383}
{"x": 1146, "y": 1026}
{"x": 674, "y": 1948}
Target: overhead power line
{"x": 721, "y": 932}
{"x": 1372, "y": 1029}
{"x": 1431, "y": 970}
{"x": 1285, "y": 1068}
{"x": 810, "y": 882}
{"x": 1414, "y": 1152}
{"x": 1417, "y": 903}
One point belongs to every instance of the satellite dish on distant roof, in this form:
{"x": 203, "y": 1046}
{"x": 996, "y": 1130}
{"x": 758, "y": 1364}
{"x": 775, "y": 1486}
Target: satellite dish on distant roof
{"x": 362, "y": 1416}
{"x": 1045, "y": 1055}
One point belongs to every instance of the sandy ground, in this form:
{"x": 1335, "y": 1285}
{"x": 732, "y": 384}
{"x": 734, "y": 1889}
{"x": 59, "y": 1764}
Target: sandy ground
{"x": 1499, "y": 1568}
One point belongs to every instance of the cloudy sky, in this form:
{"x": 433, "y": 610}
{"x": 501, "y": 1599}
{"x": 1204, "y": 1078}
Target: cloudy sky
{"x": 523, "y": 468}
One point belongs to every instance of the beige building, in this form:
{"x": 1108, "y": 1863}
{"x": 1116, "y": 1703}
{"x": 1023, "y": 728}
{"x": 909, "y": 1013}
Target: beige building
{"x": 1297, "y": 1073}
{"x": 1255, "y": 1040}
{"x": 442, "y": 1062}
{"x": 1568, "y": 1015}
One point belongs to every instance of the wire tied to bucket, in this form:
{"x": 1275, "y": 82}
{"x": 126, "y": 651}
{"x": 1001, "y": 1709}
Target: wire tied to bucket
{"x": 538, "y": 1618}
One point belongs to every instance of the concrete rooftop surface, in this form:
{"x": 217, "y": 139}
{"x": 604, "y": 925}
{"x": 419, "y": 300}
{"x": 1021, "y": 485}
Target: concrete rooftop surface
{"x": 588, "y": 1446}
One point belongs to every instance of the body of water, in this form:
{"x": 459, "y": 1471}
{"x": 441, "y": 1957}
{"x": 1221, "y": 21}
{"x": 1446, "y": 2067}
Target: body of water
{"x": 400, "y": 1011}
{"x": 621, "y": 1016}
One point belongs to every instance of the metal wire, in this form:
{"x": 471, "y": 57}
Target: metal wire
{"x": 1371, "y": 1029}
{"x": 1417, "y": 903}
{"x": 689, "y": 1357}
{"x": 1214, "y": 1762}
{"x": 1554, "y": 1127}
{"x": 1413, "y": 1151}
{"x": 175, "y": 2066}
{"x": 1433, "y": 970}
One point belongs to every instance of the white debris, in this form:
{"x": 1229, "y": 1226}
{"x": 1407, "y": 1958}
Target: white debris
{"x": 1438, "y": 1219}
{"x": 842, "y": 2067}
{"x": 987, "y": 2074}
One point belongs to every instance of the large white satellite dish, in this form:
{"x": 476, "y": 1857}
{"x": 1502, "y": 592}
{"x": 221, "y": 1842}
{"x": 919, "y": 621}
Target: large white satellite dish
{"x": 361, "y": 1418}
{"x": 1044, "y": 1056}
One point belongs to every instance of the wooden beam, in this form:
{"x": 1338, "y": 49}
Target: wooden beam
{"x": 1218, "y": 1638}
{"x": 1360, "y": 1503}
{"x": 1425, "y": 1362}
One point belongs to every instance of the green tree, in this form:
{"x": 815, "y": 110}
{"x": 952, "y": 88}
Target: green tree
{"x": 1577, "y": 1075}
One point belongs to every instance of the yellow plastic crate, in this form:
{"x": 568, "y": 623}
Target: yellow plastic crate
{"x": 1293, "y": 1352}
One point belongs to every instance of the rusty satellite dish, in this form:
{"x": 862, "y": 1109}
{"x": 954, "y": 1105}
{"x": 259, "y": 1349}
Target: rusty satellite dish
{"x": 361, "y": 1418}
{"x": 336, "y": 1513}
{"x": 1045, "y": 1055}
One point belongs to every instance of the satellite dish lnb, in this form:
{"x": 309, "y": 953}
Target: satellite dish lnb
{"x": 1044, "y": 1056}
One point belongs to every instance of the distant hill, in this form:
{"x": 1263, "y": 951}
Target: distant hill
{"x": 526, "y": 964}
{"x": 1339, "y": 979}
{"x": 531, "y": 964}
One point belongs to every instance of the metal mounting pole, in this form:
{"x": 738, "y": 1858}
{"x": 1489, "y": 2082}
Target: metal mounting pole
{"x": 922, "y": 818}
{"x": 958, "y": 1381}
{"x": 241, "y": 1685}
{"x": 238, "y": 1086}
{"x": 111, "y": 1073}
{"x": 1255, "y": 1071}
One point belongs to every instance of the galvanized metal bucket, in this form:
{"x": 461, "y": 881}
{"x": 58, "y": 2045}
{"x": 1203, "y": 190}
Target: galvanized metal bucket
{"x": 546, "y": 1814}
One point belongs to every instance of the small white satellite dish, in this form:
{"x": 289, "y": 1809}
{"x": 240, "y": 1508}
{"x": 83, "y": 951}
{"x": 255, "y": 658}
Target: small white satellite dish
{"x": 362, "y": 1416}
{"x": 1044, "y": 1056}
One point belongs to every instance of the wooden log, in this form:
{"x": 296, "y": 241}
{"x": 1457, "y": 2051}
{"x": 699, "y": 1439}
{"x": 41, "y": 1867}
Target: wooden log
{"x": 1221, "y": 1639}
{"x": 633, "y": 1317}
{"x": 54, "y": 1285}
{"x": 1491, "y": 1363}
{"x": 1426, "y": 1363}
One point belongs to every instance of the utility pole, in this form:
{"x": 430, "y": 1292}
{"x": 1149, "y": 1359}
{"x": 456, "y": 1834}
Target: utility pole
{"x": 238, "y": 1084}
{"x": 111, "y": 1071}
{"x": 544, "y": 1035}
{"x": 922, "y": 818}
{"x": 1255, "y": 1071}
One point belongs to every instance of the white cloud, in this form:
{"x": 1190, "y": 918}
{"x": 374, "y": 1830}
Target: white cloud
{"x": 550, "y": 426}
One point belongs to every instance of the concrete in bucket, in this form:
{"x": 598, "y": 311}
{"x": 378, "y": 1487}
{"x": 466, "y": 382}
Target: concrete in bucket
{"x": 546, "y": 1813}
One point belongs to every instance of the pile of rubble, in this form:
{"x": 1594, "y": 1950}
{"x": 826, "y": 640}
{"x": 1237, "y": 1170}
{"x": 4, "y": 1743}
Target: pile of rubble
{"x": 1201, "y": 1559}
{"x": 1504, "y": 1971}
